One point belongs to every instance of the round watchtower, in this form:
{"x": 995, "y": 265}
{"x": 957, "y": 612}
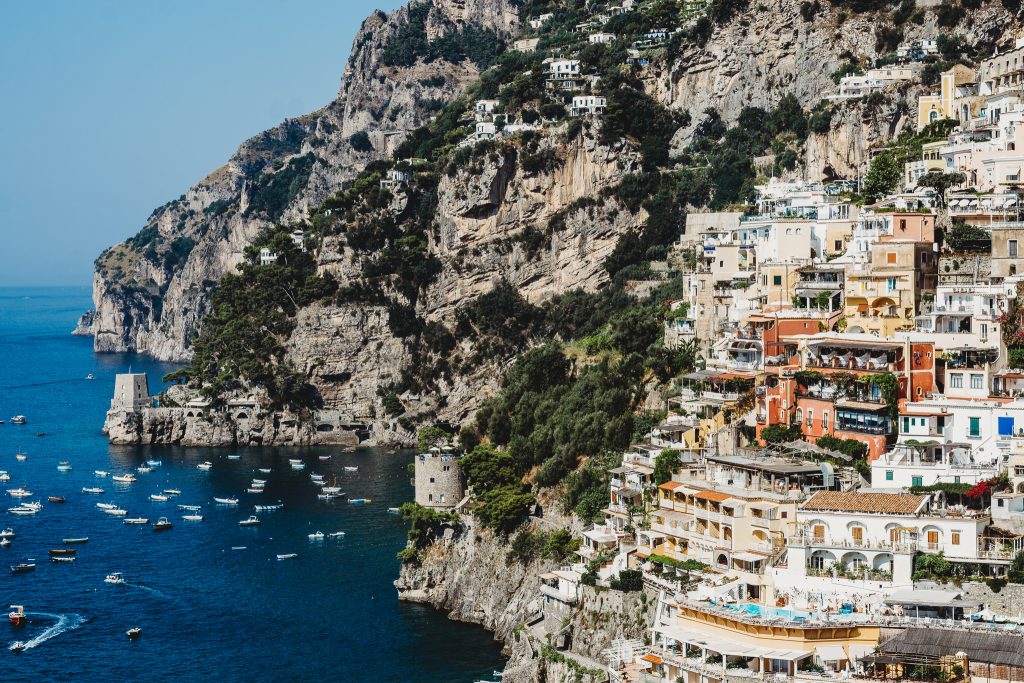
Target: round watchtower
{"x": 438, "y": 480}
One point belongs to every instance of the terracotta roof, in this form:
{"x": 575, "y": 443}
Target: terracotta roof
{"x": 894, "y": 503}
{"x": 653, "y": 659}
{"x": 670, "y": 485}
{"x": 712, "y": 495}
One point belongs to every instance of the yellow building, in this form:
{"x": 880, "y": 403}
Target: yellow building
{"x": 882, "y": 298}
{"x": 955, "y": 86}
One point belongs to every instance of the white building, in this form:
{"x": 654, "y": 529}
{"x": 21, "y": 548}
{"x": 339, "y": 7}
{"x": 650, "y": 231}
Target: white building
{"x": 562, "y": 74}
{"x": 484, "y": 108}
{"x": 525, "y": 44}
{"x": 852, "y": 87}
{"x": 539, "y": 20}
{"x": 599, "y": 38}
{"x": 583, "y": 105}
{"x": 924, "y": 464}
{"x": 485, "y": 130}
{"x": 988, "y": 425}
{"x": 892, "y": 73}
{"x": 267, "y": 256}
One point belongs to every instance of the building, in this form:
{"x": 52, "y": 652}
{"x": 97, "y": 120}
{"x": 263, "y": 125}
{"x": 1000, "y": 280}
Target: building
{"x": 267, "y": 257}
{"x": 484, "y": 108}
{"x": 396, "y": 177}
{"x": 131, "y": 392}
{"x": 525, "y": 44}
{"x": 915, "y": 463}
{"x": 852, "y": 87}
{"x": 956, "y": 85}
{"x": 893, "y": 73}
{"x": 562, "y": 74}
{"x": 438, "y": 479}
{"x": 587, "y": 105}
{"x": 600, "y": 38}
{"x": 539, "y": 20}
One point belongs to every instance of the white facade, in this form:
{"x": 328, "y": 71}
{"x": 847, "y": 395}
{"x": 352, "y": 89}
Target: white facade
{"x": 267, "y": 256}
{"x": 987, "y": 425}
{"x": 583, "y": 105}
{"x": 484, "y": 108}
{"x": 599, "y": 38}
{"x": 905, "y": 466}
{"x": 539, "y": 20}
{"x": 851, "y": 87}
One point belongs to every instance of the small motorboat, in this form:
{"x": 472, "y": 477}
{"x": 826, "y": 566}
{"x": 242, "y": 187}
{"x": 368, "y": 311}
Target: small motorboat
{"x": 288, "y": 556}
{"x": 336, "y": 534}
{"x": 32, "y": 505}
{"x": 55, "y": 499}
{"x": 193, "y": 517}
{"x": 205, "y": 466}
{"x": 295, "y": 461}
{"x": 64, "y": 466}
{"x": 107, "y": 506}
{"x": 162, "y": 524}
{"x": 395, "y": 511}
{"x": 154, "y": 463}
{"x": 143, "y": 469}
{"x": 5, "y": 543}
{"x": 17, "y": 615}
{"x": 324, "y": 458}
{"x": 89, "y": 376}
{"x": 252, "y": 489}
{"x": 226, "y": 501}
{"x": 22, "y": 510}
{"x": 19, "y": 420}
{"x": 4, "y": 477}
{"x": 23, "y": 568}
{"x": 92, "y": 489}
{"x": 192, "y": 508}
{"x": 127, "y": 478}
{"x": 252, "y": 521}
{"x": 18, "y": 646}
{"x": 259, "y": 482}
{"x": 159, "y": 498}
{"x": 326, "y": 496}
{"x": 316, "y": 536}
{"x": 332, "y": 490}
{"x": 298, "y": 466}
{"x": 316, "y": 477}
{"x": 20, "y": 492}
{"x": 269, "y": 508}
{"x": 20, "y": 457}
{"x": 359, "y": 501}
{"x": 172, "y": 492}
{"x": 133, "y": 633}
{"x": 234, "y": 457}
{"x": 101, "y": 473}
{"x": 136, "y": 520}
{"x": 116, "y": 578}
{"x": 265, "y": 470}
{"x": 62, "y": 551}
{"x": 239, "y": 547}
{"x": 117, "y": 512}
{"x": 72, "y": 541}
{"x": 59, "y": 558}
{"x": 7, "y": 533}
{"x": 351, "y": 469}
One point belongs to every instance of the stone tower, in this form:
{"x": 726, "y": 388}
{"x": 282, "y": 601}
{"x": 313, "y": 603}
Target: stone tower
{"x": 131, "y": 392}
{"x": 439, "y": 482}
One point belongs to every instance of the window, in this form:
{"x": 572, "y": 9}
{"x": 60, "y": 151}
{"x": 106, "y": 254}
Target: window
{"x": 976, "y": 381}
{"x": 956, "y": 480}
{"x": 431, "y": 480}
{"x": 819, "y": 532}
{"x": 916, "y": 481}
{"x": 903, "y": 224}
{"x": 1012, "y": 246}
{"x": 776, "y": 279}
{"x": 956, "y": 381}
{"x": 839, "y": 245}
{"x": 906, "y": 424}
{"x": 824, "y": 420}
{"x": 890, "y": 257}
{"x": 810, "y": 418}
{"x": 785, "y": 514}
{"x": 975, "y": 427}
{"x": 891, "y": 284}
{"x": 888, "y": 475}
{"x": 933, "y": 537}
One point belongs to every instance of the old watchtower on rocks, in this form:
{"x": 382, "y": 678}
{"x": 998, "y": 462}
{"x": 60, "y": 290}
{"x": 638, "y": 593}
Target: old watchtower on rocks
{"x": 131, "y": 392}
{"x": 439, "y": 482}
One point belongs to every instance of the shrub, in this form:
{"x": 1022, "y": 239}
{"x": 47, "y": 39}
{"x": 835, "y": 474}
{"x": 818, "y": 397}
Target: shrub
{"x": 360, "y": 141}
{"x": 628, "y": 580}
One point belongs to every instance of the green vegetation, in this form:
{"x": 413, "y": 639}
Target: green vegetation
{"x": 425, "y": 524}
{"x": 781, "y": 434}
{"x": 529, "y": 545}
{"x": 628, "y": 580}
{"x": 360, "y": 141}
{"x": 665, "y": 464}
{"x": 884, "y": 175}
{"x": 480, "y": 46}
{"x": 272, "y": 192}
{"x": 962, "y": 238}
{"x": 432, "y": 436}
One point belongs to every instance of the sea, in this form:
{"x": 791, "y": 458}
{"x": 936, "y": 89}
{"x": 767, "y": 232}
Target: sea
{"x": 211, "y": 598}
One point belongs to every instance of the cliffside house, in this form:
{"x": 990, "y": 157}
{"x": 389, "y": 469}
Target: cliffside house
{"x": 587, "y": 105}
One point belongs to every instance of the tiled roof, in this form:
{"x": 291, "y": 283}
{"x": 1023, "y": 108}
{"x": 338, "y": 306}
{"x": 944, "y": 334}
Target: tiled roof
{"x": 670, "y": 485}
{"x": 893, "y": 503}
{"x": 716, "y": 496}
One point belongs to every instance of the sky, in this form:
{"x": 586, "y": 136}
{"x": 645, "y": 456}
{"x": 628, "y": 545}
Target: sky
{"x": 110, "y": 108}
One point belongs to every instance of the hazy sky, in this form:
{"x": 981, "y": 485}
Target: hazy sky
{"x": 109, "y": 108}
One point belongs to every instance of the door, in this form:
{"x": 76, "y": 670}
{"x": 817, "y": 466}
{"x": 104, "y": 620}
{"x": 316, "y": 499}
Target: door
{"x": 858, "y": 535}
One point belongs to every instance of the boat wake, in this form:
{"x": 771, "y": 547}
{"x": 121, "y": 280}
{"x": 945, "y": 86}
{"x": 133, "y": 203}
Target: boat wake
{"x": 154, "y": 591}
{"x": 65, "y": 623}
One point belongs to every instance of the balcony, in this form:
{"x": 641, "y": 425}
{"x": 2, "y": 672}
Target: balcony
{"x": 553, "y": 592}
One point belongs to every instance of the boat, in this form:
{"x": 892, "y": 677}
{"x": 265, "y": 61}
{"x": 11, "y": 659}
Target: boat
{"x": 136, "y": 520}
{"x": 17, "y": 615}
{"x": 162, "y": 524}
{"x": 19, "y": 420}
{"x": 190, "y": 507}
{"x": 359, "y": 501}
{"x": 107, "y": 506}
{"x": 332, "y": 490}
{"x": 23, "y": 568}
{"x": 269, "y": 508}
{"x": 117, "y": 512}
{"x": 133, "y": 633}
{"x": 239, "y": 547}
{"x": 316, "y": 536}
{"x": 395, "y": 511}
{"x": 71, "y": 541}
{"x": 4, "y": 476}
{"x": 20, "y": 457}
{"x": 101, "y": 473}
{"x": 316, "y": 477}
{"x": 252, "y": 521}
{"x": 324, "y": 458}
{"x": 154, "y": 463}
{"x": 226, "y": 501}
{"x": 265, "y": 470}
{"x": 295, "y": 461}
{"x": 143, "y": 469}
{"x": 254, "y": 490}
{"x": 20, "y": 492}
{"x": 92, "y": 489}
{"x": 21, "y": 510}
{"x": 298, "y": 466}
{"x": 59, "y": 558}
{"x": 89, "y": 376}
{"x": 336, "y": 534}
{"x": 63, "y": 551}
{"x": 32, "y": 505}
{"x": 205, "y": 466}
{"x": 234, "y": 457}
{"x": 115, "y": 578}
{"x": 158, "y": 497}
{"x": 55, "y": 499}
{"x": 351, "y": 469}
{"x": 259, "y": 482}
{"x": 288, "y": 556}
{"x": 17, "y": 646}
{"x": 327, "y": 496}
{"x": 5, "y": 543}
{"x": 193, "y": 518}
{"x": 172, "y": 492}
{"x": 127, "y": 478}
{"x": 7, "y": 533}
{"x": 64, "y": 466}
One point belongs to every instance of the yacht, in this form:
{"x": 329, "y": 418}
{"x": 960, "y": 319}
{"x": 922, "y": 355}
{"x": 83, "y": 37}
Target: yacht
{"x": 107, "y": 506}
{"x": 115, "y": 578}
{"x": 194, "y": 517}
{"x": 136, "y": 520}
{"x": 91, "y": 489}
{"x": 226, "y": 501}
{"x": 19, "y": 493}
{"x": 19, "y": 420}
{"x": 205, "y": 466}
{"x": 191, "y": 508}
{"x": 252, "y": 521}
{"x": 159, "y": 498}
{"x": 127, "y": 478}
{"x": 288, "y": 556}
{"x": 7, "y": 533}
{"x": 172, "y": 492}
{"x": 22, "y": 510}
{"x": 162, "y": 524}
{"x": 117, "y": 512}
{"x": 32, "y": 505}
{"x": 64, "y": 466}
{"x": 316, "y": 536}
{"x": 101, "y": 473}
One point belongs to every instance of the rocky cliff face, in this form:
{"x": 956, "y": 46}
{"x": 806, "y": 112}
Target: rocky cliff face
{"x": 152, "y": 291}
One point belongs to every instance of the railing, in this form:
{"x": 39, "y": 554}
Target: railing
{"x": 553, "y": 592}
{"x": 852, "y": 544}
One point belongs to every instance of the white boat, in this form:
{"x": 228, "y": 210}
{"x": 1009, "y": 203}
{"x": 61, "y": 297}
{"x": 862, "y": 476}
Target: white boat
{"x": 298, "y": 466}
{"x": 91, "y": 489}
{"x": 205, "y": 466}
{"x": 20, "y": 457}
{"x": 7, "y": 533}
{"x": 316, "y": 477}
{"x": 265, "y": 470}
{"x": 64, "y": 466}
{"x": 117, "y": 512}
{"x": 4, "y": 476}
{"x": 359, "y": 501}
{"x": 73, "y": 541}
{"x": 159, "y": 498}
{"x": 19, "y": 493}
{"x": 234, "y": 457}
{"x": 336, "y": 534}
{"x": 115, "y": 578}
{"x": 143, "y": 469}
{"x": 5, "y": 542}
{"x": 33, "y": 505}
{"x": 333, "y": 490}
{"x": 19, "y": 420}
{"x": 192, "y": 518}
{"x": 154, "y": 463}
{"x": 226, "y": 501}
{"x": 316, "y": 536}
{"x": 127, "y": 478}
{"x": 21, "y": 510}
{"x": 252, "y": 521}
{"x": 288, "y": 556}
{"x": 269, "y": 508}
{"x": 295, "y": 461}
{"x": 172, "y": 492}
{"x": 136, "y": 520}
{"x": 257, "y": 489}
{"x": 395, "y": 511}
{"x": 192, "y": 508}
{"x": 327, "y": 496}
{"x": 106, "y": 506}
{"x": 90, "y": 376}
{"x": 259, "y": 482}
{"x": 101, "y": 473}
{"x": 162, "y": 524}
{"x": 325, "y": 458}
{"x": 351, "y": 469}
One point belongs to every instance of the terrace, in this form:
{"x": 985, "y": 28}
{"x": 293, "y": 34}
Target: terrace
{"x": 871, "y": 355}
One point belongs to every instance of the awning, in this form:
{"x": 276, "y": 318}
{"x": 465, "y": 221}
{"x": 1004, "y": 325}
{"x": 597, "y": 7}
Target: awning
{"x": 748, "y": 557}
{"x": 831, "y": 653}
{"x": 670, "y": 485}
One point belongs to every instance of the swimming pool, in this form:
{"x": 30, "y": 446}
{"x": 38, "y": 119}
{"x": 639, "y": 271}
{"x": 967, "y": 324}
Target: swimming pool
{"x": 754, "y": 610}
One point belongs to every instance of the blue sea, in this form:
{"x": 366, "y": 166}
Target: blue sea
{"x": 210, "y": 597}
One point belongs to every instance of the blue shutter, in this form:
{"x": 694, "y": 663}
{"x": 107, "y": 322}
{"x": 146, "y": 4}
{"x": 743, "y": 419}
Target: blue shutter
{"x": 1006, "y": 426}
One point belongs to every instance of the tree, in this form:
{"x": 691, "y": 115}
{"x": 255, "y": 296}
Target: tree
{"x": 504, "y": 508}
{"x": 486, "y": 468}
{"x": 665, "y": 464}
{"x": 941, "y": 182}
{"x": 781, "y": 434}
{"x": 628, "y": 580}
{"x": 360, "y": 141}
{"x": 432, "y": 436}
{"x": 884, "y": 175}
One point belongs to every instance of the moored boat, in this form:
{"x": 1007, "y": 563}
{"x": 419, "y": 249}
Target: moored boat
{"x": 192, "y": 517}
{"x": 234, "y": 457}
{"x": 62, "y": 551}
{"x": 259, "y": 482}
{"x": 316, "y": 536}
{"x": 332, "y": 490}
{"x": 190, "y": 507}
{"x": 91, "y": 489}
{"x": 5, "y": 543}
{"x": 101, "y": 473}
{"x": 23, "y": 568}
{"x": 394, "y": 511}
{"x": 17, "y": 615}
{"x": 116, "y": 578}
{"x": 64, "y": 466}
{"x": 7, "y": 533}
{"x": 117, "y": 512}
{"x": 265, "y": 470}
{"x": 359, "y": 501}
{"x": 159, "y": 498}
{"x": 20, "y": 457}
{"x": 351, "y": 469}
{"x": 325, "y": 458}
{"x": 61, "y": 558}
{"x": 205, "y": 466}
{"x": 126, "y": 478}
{"x": 252, "y": 521}
{"x": 143, "y": 469}
{"x": 225, "y": 501}
{"x": 298, "y": 466}
{"x": 20, "y": 492}
{"x": 107, "y": 506}
{"x": 154, "y": 463}
{"x": 252, "y": 489}
{"x": 133, "y": 633}
{"x": 162, "y": 524}
{"x": 19, "y": 420}
{"x": 269, "y": 508}
{"x": 71, "y": 541}
{"x": 22, "y": 510}
{"x": 4, "y": 476}
{"x": 172, "y": 492}
{"x": 336, "y": 534}
{"x": 55, "y": 499}
{"x": 136, "y": 520}
{"x": 287, "y": 556}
